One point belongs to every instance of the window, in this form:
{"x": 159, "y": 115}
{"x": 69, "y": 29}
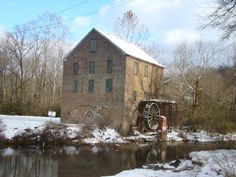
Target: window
{"x": 108, "y": 85}
{"x": 91, "y": 67}
{"x": 134, "y": 96}
{"x": 136, "y": 68}
{"x": 109, "y": 66}
{"x": 146, "y": 71}
{"x": 93, "y": 45}
{"x": 155, "y": 72}
{"x": 91, "y": 86}
{"x": 75, "y": 69}
{"x": 74, "y": 86}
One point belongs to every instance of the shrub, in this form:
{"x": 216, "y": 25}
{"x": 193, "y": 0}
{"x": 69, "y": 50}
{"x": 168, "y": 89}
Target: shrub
{"x": 54, "y": 133}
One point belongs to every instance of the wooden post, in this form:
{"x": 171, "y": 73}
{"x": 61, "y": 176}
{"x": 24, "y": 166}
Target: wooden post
{"x": 162, "y": 128}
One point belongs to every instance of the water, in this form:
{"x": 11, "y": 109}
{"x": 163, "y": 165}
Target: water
{"x": 91, "y": 161}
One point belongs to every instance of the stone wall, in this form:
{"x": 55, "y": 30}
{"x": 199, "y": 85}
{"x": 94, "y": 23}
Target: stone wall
{"x": 139, "y": 87}
{"x": 76, "y": 105}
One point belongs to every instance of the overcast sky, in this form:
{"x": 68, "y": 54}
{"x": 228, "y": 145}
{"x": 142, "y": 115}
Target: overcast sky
{"x": 169, "y": 21}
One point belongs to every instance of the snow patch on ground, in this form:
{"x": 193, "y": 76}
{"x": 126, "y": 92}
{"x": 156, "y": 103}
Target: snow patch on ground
{"x": 106, "y": 135}
{"x": 92, "y": 134}
{"x": 147, "y": 137}
{"x": 14, "y": 125}
{"x": 73, "y": 130}
{"x": 198, "y": 136}
{"x": 202, "y": 164}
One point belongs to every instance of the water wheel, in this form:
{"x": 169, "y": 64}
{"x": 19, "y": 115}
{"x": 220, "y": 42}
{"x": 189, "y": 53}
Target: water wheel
{"x": 151, "y": 114}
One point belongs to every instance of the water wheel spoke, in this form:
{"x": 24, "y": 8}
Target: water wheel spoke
{"x": 151, "y": 115}
{"x": 153, "y": 110}
{"x": 155, "y": 121}
{"x": 152, "y": 123}
{"x": 157, "y": 113}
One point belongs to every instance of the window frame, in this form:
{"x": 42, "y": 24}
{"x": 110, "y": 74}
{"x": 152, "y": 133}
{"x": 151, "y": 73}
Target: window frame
{"x": 109, "y": 85}
{"x": 146, "y": 71}
{"x": 93, "y": 45}
{"x": 91, "y": 69}
{"x": 109, "y": 66}
{"x": 155, "y": 72}
{"x": 90, "y": 85}
{"x": 75, "y": 85}
{"x": 75, "y": 69}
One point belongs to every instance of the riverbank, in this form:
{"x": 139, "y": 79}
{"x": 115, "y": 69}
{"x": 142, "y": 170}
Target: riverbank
{"x": 199, "y": 164}
{"x": 45, "y": 130}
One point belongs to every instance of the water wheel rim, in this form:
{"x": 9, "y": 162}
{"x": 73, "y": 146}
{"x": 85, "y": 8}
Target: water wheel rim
{"x": 153, "y": 116}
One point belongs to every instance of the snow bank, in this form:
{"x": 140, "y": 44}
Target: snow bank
{"x": 106, "y": 135}
{"x": 202, "y": 164}
{"x": 199, "y": 136}
{"x": 16, "y": 125}
{"x": 13, "y": 125}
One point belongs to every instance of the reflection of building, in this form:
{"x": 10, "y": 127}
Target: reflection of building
{"x": 105, "y": 78}
{"x": 27, "y": 164}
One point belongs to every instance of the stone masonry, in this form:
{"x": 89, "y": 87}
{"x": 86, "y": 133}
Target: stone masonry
{"x": 132, "y": 79}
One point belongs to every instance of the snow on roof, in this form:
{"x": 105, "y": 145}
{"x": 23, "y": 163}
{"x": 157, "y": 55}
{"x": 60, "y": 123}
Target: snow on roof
{"x": 129, "y": 48}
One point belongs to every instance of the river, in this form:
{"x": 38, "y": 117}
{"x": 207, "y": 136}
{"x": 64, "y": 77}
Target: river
{"x": 92, "y": 161}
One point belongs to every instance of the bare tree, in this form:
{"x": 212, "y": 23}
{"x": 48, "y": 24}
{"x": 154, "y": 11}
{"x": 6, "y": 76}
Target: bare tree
{"x": 222, "y": 17}
{"x": 31, "y": 61}
{"x": 191, "y": 63}
{"x": 129, "y": 28}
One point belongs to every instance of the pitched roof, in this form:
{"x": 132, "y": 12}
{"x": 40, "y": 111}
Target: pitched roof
{"x": 129, "y": 48}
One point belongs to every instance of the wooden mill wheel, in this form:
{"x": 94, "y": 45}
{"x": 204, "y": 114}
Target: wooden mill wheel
{"x": 151, "y": 114}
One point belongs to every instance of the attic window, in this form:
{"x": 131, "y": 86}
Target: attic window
{"x": 93, "y": 45}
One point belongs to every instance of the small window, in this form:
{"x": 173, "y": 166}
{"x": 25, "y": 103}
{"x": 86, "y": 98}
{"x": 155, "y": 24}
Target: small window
{"x": 146, "y": 71}
{"x": 93, "y": 45}
{"x": 108, "y": 85}
{"x": 75, "y": 86}
{"x": 91, "y": 86}
{"x": 109, "y": 66}
{"x": 75, "y": 69}
{"x": 136, "y": 68}
{"x": 134, "y": 96}
{"x": 155, "y": 72}
{"x": 91, "y": 67}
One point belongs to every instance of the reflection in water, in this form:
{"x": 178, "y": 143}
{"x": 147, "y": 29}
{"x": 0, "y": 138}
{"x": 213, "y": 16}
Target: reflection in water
{"x": 86, "y": 161}
{"x": 17, "y": 163}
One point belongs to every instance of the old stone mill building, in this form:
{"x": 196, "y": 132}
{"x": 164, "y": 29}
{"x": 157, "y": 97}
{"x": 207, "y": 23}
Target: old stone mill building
{"x": 105, "y": 78}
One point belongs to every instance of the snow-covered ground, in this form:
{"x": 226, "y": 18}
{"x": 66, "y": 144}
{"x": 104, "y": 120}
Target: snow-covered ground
{"x": 16, "y": 125}
{"x": 218, "y": 163}
{"x": 12, "y": 126}
{"x": 199, "y": 136}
